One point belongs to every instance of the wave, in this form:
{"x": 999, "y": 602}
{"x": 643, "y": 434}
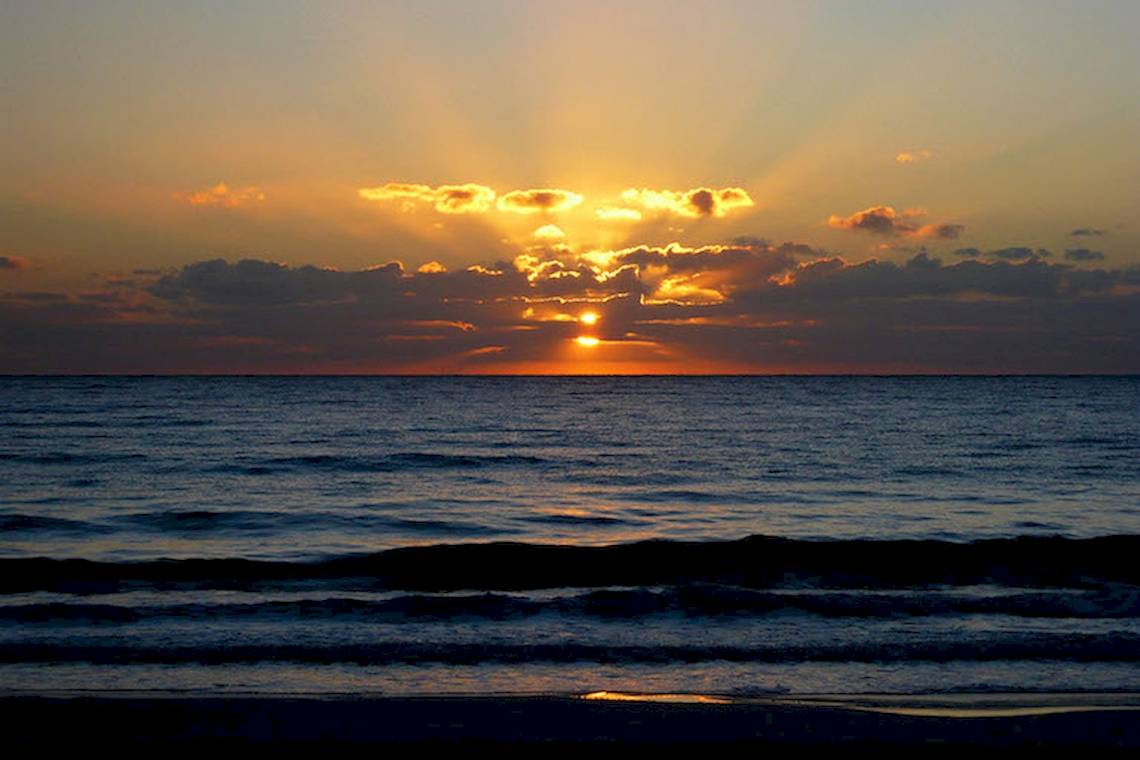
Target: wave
{"x": 688, "y": 601}
{"x": 1114, "y": 647}
{"x": 17, "y": 522}
{"x": 200, "y": 521}
{"x": 755, "y": 562}
{"x": 69, "y": 457}
{"x": 408, "y": 460}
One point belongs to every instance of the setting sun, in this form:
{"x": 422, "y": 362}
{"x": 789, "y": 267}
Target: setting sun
{"x": 586, "y": 374}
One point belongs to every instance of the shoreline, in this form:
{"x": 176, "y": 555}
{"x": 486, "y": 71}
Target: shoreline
{"x": 117, "y": 719}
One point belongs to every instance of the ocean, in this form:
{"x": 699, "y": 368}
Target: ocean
{"x": 724, "y": 535}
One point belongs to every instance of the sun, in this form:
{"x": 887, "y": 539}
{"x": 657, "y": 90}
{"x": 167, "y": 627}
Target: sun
{"x": 589, "y": 341}
{"x": 588, "y": 317}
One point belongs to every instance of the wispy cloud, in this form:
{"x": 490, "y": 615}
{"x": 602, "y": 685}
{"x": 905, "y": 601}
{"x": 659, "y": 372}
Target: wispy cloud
{"x": 914, "y": 156}
{"x": 222, "y": 195}
{"x": 617, "y": 214}
{"x": 468, "y": 198}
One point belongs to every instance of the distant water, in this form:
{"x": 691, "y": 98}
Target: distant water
{"x": 288, "y": 534}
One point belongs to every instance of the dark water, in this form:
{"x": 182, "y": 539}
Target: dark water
{"x": 929, "y": 534}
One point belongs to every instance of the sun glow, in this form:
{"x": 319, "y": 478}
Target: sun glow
{"x": 588, "y": 341}
{"x": 588, "y": 317}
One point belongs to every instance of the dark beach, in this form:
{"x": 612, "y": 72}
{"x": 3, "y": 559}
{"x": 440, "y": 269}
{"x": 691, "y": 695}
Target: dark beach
{"x": 1099, "y": 722}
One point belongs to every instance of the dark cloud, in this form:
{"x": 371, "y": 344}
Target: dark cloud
{"x": 535, "y": 201}
{"x": 748, "y": 306}
{"x": 882, "y": 220}
{"x": 1088, "y": 232}
{"x": 945, "y": 231}
{"x": 1083, "y": 254}
{"x": 1017, "y": 253}
{"x": 795, "y": 249}
{"x": 885, "y": 220}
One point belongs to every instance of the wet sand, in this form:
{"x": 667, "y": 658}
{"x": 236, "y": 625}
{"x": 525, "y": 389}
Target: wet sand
{"x": 117, "y": 721}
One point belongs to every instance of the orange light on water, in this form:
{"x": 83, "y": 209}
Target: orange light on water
{"x": 589, "y": 341}
{"x": 617, "y": 696}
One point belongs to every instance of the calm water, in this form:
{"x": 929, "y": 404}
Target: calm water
{"x": 297, "y": 475}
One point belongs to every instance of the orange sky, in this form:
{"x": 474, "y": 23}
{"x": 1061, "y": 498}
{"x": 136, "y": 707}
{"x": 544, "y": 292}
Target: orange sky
{"x": 446, "y": 187}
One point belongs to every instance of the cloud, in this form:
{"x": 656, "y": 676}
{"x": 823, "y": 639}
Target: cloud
{"x": 885, "y": 220}
{"x": 1017, "y": 253}
{"x": 1088, "y": 232}
{"x": 943, "y": 231}
{"x": 13, "y": 262}
{"x": 537, "y": 201}
{"x": 749, "y": 305}
{"x": 549, "y": 232}
{"x": 469, "y": 198}
{"x": 914, "y": 156}
{"x": 222, "y": 195}
{"x": 1083, "y": 254}
{"x": 882, "y": 220}
{"x": 699, "y": 202}
{"x": 617, "y": 214}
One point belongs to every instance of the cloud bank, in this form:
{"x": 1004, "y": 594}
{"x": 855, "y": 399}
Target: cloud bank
{"x": 744, "y": 306}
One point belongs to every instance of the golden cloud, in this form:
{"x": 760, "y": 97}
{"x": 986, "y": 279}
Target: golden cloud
{"x": 468, "y": 198}
{"x": 549, "y": 232}
{"x": 535, "y": 201}
{"x": 914, "y": 156}
{"x": 701, "y": 201}
{"x": 222, "y": 195}
{"x": 432, "y": 267}
{"x": 617, "y": 214}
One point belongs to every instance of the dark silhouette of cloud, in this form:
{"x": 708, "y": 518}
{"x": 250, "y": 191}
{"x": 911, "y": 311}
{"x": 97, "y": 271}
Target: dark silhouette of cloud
{"x": 1088, "y": 232}
{"x": 750, "y": 305}
{"x": 1017, "y": 253}
{"x": 1083, "y": 254}
{"x": 885, "y": 220}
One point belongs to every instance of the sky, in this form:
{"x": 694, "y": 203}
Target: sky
{"x": 586, "y": 187}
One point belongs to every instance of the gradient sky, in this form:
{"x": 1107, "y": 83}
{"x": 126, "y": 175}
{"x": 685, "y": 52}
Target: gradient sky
{"x": 728, "y": 186}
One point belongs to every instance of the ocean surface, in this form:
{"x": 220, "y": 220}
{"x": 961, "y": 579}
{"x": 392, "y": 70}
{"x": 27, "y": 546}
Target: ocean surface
{"x": 442, "y": 535}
